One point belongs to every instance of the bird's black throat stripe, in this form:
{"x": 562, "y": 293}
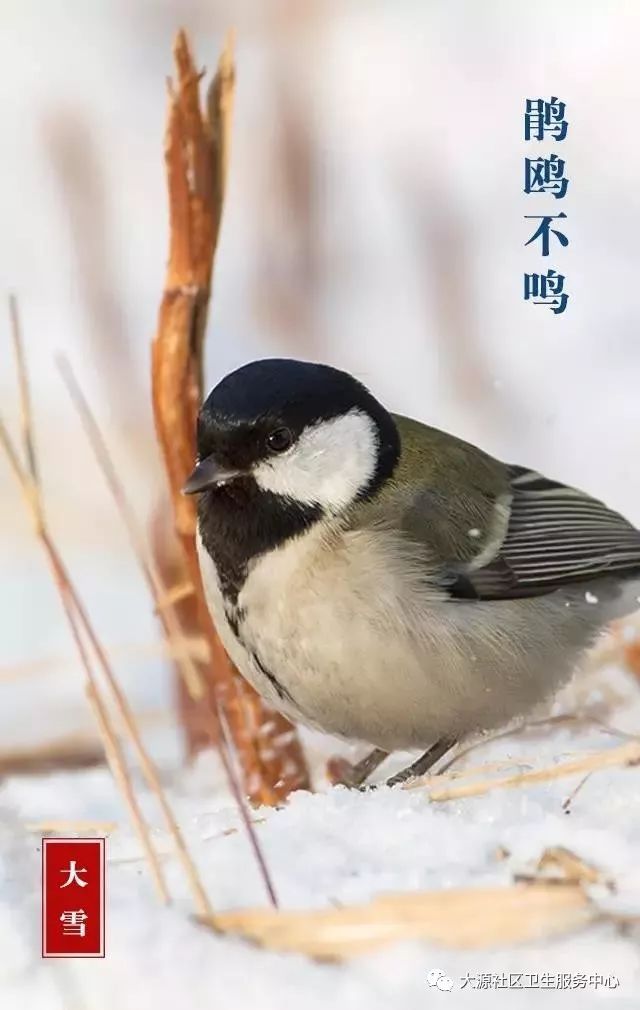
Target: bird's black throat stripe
{"x": 234, "y": 618}
{"x": 279, "y": 688}
{"x": 239, "y": 521}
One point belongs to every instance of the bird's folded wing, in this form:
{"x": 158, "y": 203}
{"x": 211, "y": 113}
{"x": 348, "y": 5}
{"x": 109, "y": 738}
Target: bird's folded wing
{"x": 492, "y": 531}
{"x": 555, "y": 535}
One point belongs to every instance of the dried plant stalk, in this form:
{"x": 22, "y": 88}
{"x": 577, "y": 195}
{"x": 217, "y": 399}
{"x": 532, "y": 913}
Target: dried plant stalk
{"x": 84, "y": 635}
{"x": 166, "y": 612}
{"x": 558, "y": 863}
{"x": 73, "y": 751}
{"x": 75, "y": 618}
{"x": 59, "y": 827}
{"x": 118, "y": 765}
{"x": 196, "y": 156}
{"x": 464, "y": 918}
{"x": 625, "y": 756}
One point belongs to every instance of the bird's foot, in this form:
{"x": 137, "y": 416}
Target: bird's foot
{"x": 424, "y": 762}
{"x": 343, "y": 772}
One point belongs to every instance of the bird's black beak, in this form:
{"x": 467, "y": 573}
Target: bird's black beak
{"x": 209, "y": 473}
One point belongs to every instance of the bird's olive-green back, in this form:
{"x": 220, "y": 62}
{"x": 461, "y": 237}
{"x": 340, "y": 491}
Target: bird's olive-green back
{"x": 442, "y": 494}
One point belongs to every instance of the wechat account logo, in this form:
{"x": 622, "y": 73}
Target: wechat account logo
{"x": 438, "y": 979}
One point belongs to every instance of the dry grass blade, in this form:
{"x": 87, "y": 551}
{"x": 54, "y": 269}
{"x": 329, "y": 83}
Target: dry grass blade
{"x": 58, "y": 827}
{"x": 489, "y": 738}
{"x": 168, "y": 619}
{"x": 26, "y": 424}
{"x": 562, "y": 864}
{"x": 118, "y": 766}
{"x": 566, "y": 803}
{"x": 196, "y": 157}
{"x": 563, "y": 719}
{"x": 74, "y": 751}
{"x": 463, "y": 918}
{"x": 624, "y": 756}
{"x": 146, "y": 764}
{"x": 133, "y": 651}
{"x": 69, "y": 602}
{"x": 30, "y": 485}
{"x": 81, "y": 625}
{"x": 473, "y": 771}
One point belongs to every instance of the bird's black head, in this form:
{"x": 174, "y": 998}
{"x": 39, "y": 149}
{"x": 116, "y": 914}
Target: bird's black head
{"x": 282, "y": 443}
{"x": 307, "y": 432}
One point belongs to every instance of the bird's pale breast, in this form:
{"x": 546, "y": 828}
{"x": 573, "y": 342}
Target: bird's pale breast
{"x": 345, "y": 632}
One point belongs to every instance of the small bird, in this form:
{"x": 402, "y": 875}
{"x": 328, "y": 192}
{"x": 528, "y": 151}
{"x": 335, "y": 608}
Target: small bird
{"x": 385, "y": 581}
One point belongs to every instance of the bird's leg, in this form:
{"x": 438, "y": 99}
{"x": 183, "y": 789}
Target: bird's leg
{"x": 342, "y": 772}
{"x": 424, "y": 762}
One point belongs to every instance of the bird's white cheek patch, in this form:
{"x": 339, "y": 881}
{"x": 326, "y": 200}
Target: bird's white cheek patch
{"x": 328, "y": 465}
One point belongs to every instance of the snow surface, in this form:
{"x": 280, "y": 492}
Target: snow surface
{"x": 333, "y": 847}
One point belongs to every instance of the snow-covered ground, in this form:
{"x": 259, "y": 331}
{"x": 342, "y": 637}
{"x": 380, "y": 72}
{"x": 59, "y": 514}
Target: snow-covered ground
{"x": 334, "y": 847}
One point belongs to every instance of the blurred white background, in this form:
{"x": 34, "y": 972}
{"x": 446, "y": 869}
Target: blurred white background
{"x": 374, "y": 220}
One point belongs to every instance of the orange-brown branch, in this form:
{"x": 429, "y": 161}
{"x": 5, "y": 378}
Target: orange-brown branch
{"x": 196, "y": 156}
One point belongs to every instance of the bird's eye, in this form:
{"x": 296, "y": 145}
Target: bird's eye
{"x": 279, "y": 440}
